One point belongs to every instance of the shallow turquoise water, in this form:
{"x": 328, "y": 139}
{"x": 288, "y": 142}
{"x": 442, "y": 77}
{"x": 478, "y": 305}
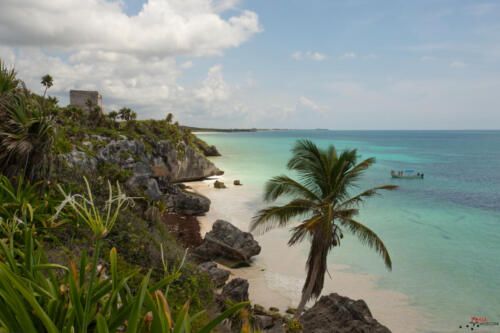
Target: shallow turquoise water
{"x": 442, "y": 232}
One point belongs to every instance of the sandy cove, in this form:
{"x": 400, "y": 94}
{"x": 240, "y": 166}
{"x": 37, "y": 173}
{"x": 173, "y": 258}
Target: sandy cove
{"x": 277, "y": 273}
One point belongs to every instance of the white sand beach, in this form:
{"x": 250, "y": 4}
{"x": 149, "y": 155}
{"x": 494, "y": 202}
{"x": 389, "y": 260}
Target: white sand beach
{"x": 277, "y": 274}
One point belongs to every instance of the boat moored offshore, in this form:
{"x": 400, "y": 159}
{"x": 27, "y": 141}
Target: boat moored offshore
{"x": 407, "y": 174}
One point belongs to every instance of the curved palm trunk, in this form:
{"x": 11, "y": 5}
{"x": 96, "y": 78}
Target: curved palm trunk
{"x": 316, "y": 264}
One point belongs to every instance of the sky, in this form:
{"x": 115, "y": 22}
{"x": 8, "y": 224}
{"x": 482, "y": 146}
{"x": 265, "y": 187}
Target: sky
{"x": 344, "y": 65}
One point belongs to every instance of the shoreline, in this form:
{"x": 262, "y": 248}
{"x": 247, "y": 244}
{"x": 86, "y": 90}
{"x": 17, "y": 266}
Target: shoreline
{"x": 277, "y": 273}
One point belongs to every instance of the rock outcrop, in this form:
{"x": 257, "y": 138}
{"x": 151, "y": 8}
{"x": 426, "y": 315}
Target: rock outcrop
{"x": 218, "y": 184}
{"x": 186, "y": 166}
{"x": 80, "y": 160}
{"x": 162, "y": 162}
{"x": 218, "y": 275}
{"x": 228, "y": 244}
{"x": 209, "y": 150}
{"x": 338, "y": 314}
{"x": 182, "y": 202}
{"x": 236, "y": 290}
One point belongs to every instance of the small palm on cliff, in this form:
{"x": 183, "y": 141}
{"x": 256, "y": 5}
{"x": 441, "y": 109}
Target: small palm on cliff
{"x": 321, "y": 199}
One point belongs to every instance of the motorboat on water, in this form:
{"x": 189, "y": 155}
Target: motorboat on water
{"x": 407, "y": 174}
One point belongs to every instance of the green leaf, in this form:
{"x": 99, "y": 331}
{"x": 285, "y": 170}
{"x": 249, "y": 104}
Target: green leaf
{"x": 102, "y": 326}
{"x": 133, "y": 321}
{"x": 226, "y": 314}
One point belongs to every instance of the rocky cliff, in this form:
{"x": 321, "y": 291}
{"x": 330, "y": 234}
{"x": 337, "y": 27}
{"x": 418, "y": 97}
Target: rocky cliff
{"x": 153, "y": 169}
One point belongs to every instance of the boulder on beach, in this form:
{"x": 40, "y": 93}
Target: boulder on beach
{"x": 236, "y": 290}
{"x": 338, "y": 314}
{"x": 228, "y": 245}
{"x": 219, "y": 184}
{"x": 186, "y": 203}
{"x": 218, "y": 275}
{"x": 237, "y": 182}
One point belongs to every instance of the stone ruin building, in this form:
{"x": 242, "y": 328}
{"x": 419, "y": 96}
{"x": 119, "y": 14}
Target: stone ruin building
{"x": 80, "y": 98}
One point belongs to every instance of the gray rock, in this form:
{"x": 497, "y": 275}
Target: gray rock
{"x": 115, "y": 151}
{"x": 338, "y": 314}
{"x": 186, "y": 203}
{"x": 80, "y": 160}
{"x": 153, "y": 191}
{"x": 217, "y": 275}
{"x": 209, "y": 150}
{"x": 262, "y": 322}
{"x": 190, "y": 165}
{"x": 219, "y": 184}
{"x": 228, "y": 242}
{"x": 236, "y": 290}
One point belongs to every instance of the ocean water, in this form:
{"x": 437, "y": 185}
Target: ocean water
{"x": 442, "y": 232}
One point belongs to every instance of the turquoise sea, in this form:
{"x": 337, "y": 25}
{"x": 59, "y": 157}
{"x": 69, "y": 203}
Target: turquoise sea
{"x": 443, "y": 232}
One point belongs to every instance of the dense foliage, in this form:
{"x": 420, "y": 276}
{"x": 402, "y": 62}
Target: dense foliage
{"x": 74, "y": 259}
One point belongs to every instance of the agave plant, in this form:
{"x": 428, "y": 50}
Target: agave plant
{"x": 37, "y": 296}
{"x": 26, "y": 135}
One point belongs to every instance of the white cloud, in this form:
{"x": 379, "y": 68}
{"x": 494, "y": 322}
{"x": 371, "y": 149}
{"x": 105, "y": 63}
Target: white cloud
{"x": 187, "y": 64}
{"x": 457, "y": 64}
{"x": 426, "y": 58}
{"x": 317, "y": 56}
{"x": 348, "y": 55}
{"x": 297, "y": 55}
{"x": 93, "y": 44}
{"x": 161, "y": 28}
{"x": 308, "y": 103}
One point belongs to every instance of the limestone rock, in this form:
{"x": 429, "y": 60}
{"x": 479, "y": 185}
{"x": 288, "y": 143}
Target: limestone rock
{"x": 190, "y": 165}
{"x": 153, "y": 191}
{"x": 338, "y": 314}
{"x": 80, "y": 160}
{"x": 117, "y": 151}
{"x": 236, "y": 290}
{"x": 219, "y": 184}
{"x": 228, "y": 242}
{"x": 217, "y": 275}
{"x": 262, "y": 322}
{"x": 209, "y": 150}
{"x": 186, "y": 203}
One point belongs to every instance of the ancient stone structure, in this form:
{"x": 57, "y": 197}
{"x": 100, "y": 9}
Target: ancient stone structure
{"x": 80, "y": 98}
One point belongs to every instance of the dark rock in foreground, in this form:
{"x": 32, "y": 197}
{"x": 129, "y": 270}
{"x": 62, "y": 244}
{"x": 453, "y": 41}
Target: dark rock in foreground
{"x": 218, "y": 184}
{"x": 217, "y": 275}
{"x": 228, "y": 243}
{"x": 338, "y": 314}
{"x": 187, "y": 203}
{"x": 209, "y": 150}
{"x": 236, "y": 290}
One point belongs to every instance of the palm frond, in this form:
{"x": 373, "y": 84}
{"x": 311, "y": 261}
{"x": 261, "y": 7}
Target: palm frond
{"x": 304, "y": 229}
{"x": 312, "y": 165}
{"x": 367, "y": 237}
{"x": 283, "y": 185}
{"x": 279, "y": 216}
{"x": 356, "y": 200}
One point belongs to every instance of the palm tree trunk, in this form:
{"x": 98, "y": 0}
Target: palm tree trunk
{"x": 316, "y": 271}
{"x": 306, "y": 295}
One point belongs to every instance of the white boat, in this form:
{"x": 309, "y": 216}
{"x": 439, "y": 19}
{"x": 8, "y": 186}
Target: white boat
{"x": 407, "y": 174}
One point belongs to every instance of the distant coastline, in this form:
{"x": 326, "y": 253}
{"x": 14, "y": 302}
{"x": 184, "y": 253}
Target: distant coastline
{"x": 232, "y": 130}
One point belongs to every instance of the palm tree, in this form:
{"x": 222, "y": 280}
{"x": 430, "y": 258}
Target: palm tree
{"x": 113, "y": 115}
{"x": 133, "y": 115}
{"x": 47, "y": 82}
{"x": 125, "y": 113}
{"x": 169, "y": 118}
{"x": 322, "y": 199}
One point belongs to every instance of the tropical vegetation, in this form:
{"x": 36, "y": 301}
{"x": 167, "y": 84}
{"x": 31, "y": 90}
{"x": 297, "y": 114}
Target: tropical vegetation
{"x": 322, "y": 199}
